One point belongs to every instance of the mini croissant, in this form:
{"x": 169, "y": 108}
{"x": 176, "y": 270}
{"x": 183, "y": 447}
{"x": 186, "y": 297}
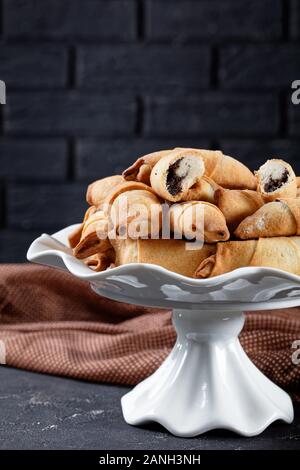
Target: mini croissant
{"x": 175, "y": 175}
{"x": 94, "y": 236}
{"x": 74, "y": 237}
{"x": 137, "y": 214}
{"x": 237, "y": 204}
{"x": 97, "y": 191}
{"x": 275, "y": 219}
{"x": 226, "y": 171}
{"x": 141, "y": 169}
{"x": 178, "y": 208}
{"x": 124, "y": 186}
{"x": 203, "y": 190}
{"x": 200, "y": 220}
{"x": 280, "y": 253}
{"x": 101, "y": 261}
{"x": 173, "y": 255}
{"x": 276, "y": 179}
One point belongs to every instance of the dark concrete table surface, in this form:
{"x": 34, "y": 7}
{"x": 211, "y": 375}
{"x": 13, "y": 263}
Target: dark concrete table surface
{"x": 44, "y": 412}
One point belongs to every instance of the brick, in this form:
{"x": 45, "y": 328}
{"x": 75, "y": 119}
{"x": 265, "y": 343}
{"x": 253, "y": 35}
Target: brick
{"x": 45, "y": 207}
{"x": 33, "y": 66}
{"x": 14, "y": 245}
{"x": 294, "y": 119}
{"x": 144, "y": 68}
{"x": 70, "y": 19}
{"x": 213, "y": 20}
{"x": 254, "y": 153}
{"x": 295, "y": 18}
{"x": 263, "y": 66}
{"x": 33, "y": 160}
{"x": 96, "y": 158}
{"x": 68, "y": 113}
{"x": 212, "y": 114}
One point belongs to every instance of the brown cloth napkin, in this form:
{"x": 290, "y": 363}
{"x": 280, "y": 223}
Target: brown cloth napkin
{"x": 52, "y": 322}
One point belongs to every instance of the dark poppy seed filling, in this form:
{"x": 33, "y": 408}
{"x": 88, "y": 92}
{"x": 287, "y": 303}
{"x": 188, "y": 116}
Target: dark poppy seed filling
{"x": 173, "y": 180}
{"x": 274, "y": 184}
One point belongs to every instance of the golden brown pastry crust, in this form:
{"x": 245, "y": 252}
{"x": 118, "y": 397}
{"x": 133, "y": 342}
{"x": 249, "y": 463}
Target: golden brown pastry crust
{"x": 237, "y": 204}
{"x": 280, "y": 253}
{"x": 93, "y": 237}
{"x": 141, "y": 169}
{"x": 275, "y": 219}
{"x": 74, "y": 237}
{"x": 204, "y": 218}
{"x": 226, "y": 171}
{"x": 287, "y": 190}
{"x": 137, "y": 213}
{"x": 101, "y": 261}
{"x": 196, "y": 178}
{"x": 203, "y": 190}
{"x": 170, "y": 254}
{"x": 98, "y": 190}
{"x": 175, "y": 176}
{"x": 125, "y": 186}
{"x": 125, "y": 251}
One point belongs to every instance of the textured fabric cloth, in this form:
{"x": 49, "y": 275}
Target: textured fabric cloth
{"x": 52, "y": 322}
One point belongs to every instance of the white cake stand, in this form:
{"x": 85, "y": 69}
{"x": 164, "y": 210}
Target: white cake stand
{"x": 207, "y": 382}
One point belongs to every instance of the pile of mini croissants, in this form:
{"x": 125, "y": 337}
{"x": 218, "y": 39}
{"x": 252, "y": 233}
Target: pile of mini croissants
{"x": 250, "y": 219}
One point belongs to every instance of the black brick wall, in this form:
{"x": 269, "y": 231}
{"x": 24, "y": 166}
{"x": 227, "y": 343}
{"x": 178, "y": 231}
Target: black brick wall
{"x": 91, "y": 84}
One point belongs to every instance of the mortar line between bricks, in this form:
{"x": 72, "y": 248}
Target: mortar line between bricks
{"x": 208, "y": 41}
{"x": 71, "y": 159}
{"x": 139, "y": 128}
{"x": 286, "y": 11}
{"x": 50, "y": 135}
{"x": 283, "y": 115}
{"x": 210, "y": 136}
{"x": 71, "y": 68}
{"x": 214, "y": 67}
{"x": 140, "y": 17}
{"x": 1, "y": 18}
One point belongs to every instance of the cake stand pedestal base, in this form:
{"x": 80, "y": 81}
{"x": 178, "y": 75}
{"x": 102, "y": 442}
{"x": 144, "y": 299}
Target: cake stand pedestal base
{"x": 207, "y": 382}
